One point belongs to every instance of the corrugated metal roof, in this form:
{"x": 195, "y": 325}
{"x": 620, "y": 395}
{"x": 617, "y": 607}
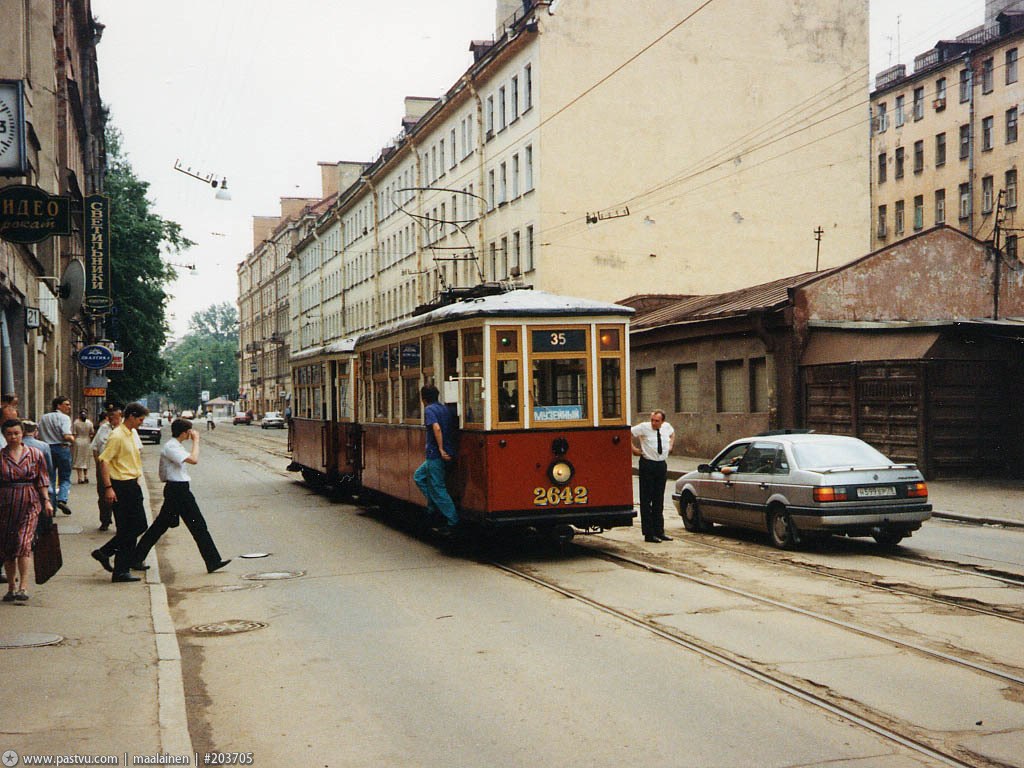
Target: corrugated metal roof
{"x": 757, "y": 297}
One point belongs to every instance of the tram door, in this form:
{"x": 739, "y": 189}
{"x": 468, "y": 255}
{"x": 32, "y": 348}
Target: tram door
{"x": 450, "y": 370}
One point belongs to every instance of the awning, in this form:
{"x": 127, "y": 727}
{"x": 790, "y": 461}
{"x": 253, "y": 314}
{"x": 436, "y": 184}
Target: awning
{"x": 828, "y": 347}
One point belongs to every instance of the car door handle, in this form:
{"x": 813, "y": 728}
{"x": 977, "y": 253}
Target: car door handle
{"x": 763, "y": 486}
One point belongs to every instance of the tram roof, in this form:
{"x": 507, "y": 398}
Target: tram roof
{"x": 518, "y": 303}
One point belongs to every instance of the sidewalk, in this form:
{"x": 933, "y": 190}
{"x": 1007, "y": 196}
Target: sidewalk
{"x": 992, "y": 501}
{"x": 112, "y": 685}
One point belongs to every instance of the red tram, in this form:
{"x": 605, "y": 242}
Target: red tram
{"x": 537, "y": 382}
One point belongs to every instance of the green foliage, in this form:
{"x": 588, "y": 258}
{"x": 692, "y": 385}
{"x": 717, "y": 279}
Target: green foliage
{"x": 139, "y": 276}
{"x": 205, "y": 358}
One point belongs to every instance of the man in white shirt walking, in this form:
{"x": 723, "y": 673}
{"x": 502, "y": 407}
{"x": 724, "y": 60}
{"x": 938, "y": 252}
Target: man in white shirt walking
{"x": 55, "y": 430}
{"x": 178, "y": 499}
{"x": 652, "y": 442}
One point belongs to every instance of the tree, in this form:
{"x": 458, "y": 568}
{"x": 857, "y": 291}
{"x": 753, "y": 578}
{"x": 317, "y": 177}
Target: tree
{"x": 204, "y": 359}
{"x": 139, "y": 276}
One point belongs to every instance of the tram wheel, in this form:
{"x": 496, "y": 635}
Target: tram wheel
{"x": 312, "y": 477}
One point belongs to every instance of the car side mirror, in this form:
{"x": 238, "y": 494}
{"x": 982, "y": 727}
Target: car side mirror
{"x": 705, "y": 468}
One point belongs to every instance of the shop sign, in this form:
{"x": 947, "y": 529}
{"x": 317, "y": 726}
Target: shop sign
{"x": 95, "y": 356}
{"x": 94, "y": 391}
{"x": 29, "y": 215}
{"x": 97, "y": 253}
{"x": 116, "y": 360}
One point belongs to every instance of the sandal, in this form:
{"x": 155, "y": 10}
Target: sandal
{"x": 21, "y": 596}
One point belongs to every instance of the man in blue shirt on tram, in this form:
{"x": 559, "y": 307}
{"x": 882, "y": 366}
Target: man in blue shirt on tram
{"x": 429, "y": 476}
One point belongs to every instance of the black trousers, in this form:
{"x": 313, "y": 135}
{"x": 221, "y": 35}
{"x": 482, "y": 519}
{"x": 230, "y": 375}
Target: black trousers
{"x": 652, "y": 496}
{"x": 180, "y": 503}
{"x": 130, "y": 519}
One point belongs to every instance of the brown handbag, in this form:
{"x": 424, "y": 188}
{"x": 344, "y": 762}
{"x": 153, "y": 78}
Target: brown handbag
{"x": 46, "y": 550}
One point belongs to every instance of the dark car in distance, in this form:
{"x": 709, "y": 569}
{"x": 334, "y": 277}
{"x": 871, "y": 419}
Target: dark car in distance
{"x": 799, "y": 487}
{"x": 149, "y": 429}
{"x": 242, "y": 418}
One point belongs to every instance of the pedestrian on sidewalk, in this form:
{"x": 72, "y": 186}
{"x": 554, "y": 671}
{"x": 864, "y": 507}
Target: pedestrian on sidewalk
{"x": 24, "y": 491}
{"x": 109, "y": 421}
{"x": 652, "y": 441}
{"x": 55, "y": 429}
{"x": 440, "y": 451}
{"x": 84, "y": 432}
{"x": 30, "y": 436}
{"x": 120, "y": 470}
{"x": 178, "y": 499}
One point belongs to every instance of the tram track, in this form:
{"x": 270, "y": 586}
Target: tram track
{"x": 834, "y": 705}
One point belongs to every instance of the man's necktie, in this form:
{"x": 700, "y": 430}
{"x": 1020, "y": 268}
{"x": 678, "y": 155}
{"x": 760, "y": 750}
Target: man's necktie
{"x": 659, "y": 442}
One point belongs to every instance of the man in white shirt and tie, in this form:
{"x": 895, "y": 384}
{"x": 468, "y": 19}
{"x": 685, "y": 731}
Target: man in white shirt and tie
{"x": 652, "y": 442}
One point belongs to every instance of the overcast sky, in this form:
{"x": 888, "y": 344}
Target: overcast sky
{"x": 259, "y": 91}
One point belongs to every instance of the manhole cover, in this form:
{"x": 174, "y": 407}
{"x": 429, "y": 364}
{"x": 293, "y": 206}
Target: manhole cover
{"x": 29, "y": 640}
{"x": 254, "y": 555}
{"x": 274, "y": 575}
{"x": 230, "y": 627}
{"x": 64, "y": 530}
{"x": 231, "y": 588}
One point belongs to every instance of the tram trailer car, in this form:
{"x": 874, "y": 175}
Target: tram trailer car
{"x": 552, "y": 454}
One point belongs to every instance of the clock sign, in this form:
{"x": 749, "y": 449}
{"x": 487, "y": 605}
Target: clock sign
{"x": 12, "y": 128}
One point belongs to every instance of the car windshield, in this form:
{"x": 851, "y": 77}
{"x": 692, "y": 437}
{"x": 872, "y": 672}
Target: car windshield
{"x": 149, "y": 421}
{"x": 272, "y": 415}
{"x": 836, "y": 454}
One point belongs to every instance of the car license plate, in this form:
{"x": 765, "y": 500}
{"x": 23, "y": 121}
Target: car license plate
{"x": 876, "y": 492}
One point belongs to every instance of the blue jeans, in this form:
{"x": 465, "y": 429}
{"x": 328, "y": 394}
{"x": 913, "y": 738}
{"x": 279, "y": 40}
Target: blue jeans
{"x": 62, "y": 469}
{"x": 429, "y": 476}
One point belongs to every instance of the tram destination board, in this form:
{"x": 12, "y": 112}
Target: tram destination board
{"x": 574, "y": 340}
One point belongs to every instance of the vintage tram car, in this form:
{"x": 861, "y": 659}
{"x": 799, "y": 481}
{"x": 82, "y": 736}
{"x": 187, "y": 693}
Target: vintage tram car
{"x": 537, "y": 381}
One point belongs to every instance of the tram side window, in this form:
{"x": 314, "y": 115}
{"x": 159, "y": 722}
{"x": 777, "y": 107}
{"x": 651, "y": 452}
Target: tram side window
{"x": 611, "y": 362}
{"x": 411, "y": 380}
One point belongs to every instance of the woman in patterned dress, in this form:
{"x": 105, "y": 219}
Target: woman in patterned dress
{"x": 24, "y": 490}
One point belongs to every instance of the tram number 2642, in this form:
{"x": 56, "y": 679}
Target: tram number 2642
{"x": 552, "y": 497}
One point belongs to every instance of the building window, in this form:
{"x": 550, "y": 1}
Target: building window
{"x": 940, "y": 206}
{"x": 986, "y": 133}
{"x": 731, "y": 394}
{"x": 528, "y": 169}
{"x": 919, "y": 156}
{"x": 898, "y": 223}
{"x": 918, "y": 103}
{"x": 965, "y": 200}
{"x": 1011, "y": 125}
{"x": 517, "y": 247}
{"x": 527, "y": 88}
{"x": 881, "y": 167}
{"x": 881, "y": 119}
{"x": 965, "y": 141}
{"x": 1011, "y": 66}
{"x": 451, "y": 144}
{"x": 899, "y": 163}
{"x": 987, "y": 68}
{"x": 502, "y": 110}
{"x": 758, "y": 385}
{"x": 882, "y": 214}
{"x": 687, "y": 389}
{"x": 987, "y": 193}
{"x": 899, "y": 111}
{"x": 515, "y": 176}
{"x": 490, "y": 190}
{"x": 965, "y": 86}
{"x": 940, "y": 93}
{"x": 940, "y": 149}
{"x": 528, "y": 264}
{"x": 1011, "y": 247}
{"x": 1011, "y": 189}
{"x": 918, "y": 212}
{"x": 502, "y": 184}
{"x": 646, "y": 390}
{"x": 514, "y": 98}
{"x": 489, "y": 117}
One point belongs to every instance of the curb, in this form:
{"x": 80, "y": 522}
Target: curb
{"x": 974, "y": 520}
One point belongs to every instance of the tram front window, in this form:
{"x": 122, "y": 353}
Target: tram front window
{"x": 611, "y": 389}
{"x": 508, "y": 392}
{"x": 559, "y": 390}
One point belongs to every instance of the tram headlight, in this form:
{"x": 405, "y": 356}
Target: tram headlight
{"x": 561, "y": 472}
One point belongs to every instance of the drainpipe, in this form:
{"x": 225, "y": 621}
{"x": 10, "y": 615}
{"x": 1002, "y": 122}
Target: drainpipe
{"x": 970, "y": 144}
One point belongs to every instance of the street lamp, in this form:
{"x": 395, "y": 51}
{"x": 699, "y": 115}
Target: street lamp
{"x": 207, "y": 178}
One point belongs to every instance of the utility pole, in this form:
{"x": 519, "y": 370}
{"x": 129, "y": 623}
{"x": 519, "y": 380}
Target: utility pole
{"x": 817, "y": 236}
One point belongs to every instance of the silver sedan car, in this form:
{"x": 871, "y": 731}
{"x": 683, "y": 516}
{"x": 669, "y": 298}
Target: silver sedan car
{"x": 798, "y": 487}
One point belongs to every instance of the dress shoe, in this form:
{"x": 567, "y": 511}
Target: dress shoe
{"x": 104, "y": 528}
{"x": 140, "y": 567}
{"x": 652, "y": 539}
{"x": 123, "y": 577}
{"x": 103, "y": 560}
{"x": 64, "y": 507}
{"x": 663, "y": 537}
{"x": 217, "y": 566}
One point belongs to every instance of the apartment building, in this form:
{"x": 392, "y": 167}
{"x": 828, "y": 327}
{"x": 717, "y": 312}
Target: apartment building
{"x": 604, "y": 149}
{"x": 944, "y": 138}
{"x": 50, "y": 88}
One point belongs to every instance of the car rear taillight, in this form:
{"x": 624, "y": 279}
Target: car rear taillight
{"x": 829, "y": 493}
{"x": 917, "y": 491}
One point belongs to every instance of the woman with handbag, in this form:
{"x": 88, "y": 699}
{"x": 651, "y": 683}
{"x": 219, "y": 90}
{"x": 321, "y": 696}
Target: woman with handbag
{"x": 24, "y": 490}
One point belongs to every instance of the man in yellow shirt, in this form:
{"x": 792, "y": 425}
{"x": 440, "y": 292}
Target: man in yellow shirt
{"x": 120, "y": 470}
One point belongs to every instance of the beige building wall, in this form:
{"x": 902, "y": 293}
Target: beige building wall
{"x": 595, "y": 159}
{"x": 978, "y": 125}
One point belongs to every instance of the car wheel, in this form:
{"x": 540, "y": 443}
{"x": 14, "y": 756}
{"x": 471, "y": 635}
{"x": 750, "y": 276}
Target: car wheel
{"x": 888, "y": 540}
{"x": 692, "y": 520}
{"x": 780, "y": 528}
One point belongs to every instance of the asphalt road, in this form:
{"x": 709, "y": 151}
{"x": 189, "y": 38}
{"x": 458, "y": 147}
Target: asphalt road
{"x": 384, "y": 649}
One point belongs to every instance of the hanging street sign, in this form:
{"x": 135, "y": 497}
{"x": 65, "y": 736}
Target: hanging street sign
{"x": 97, "y": 254}
{"x": 30, "y": 215}
{"x": 117, "y": 361}
{"x": 95, "y": 356}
